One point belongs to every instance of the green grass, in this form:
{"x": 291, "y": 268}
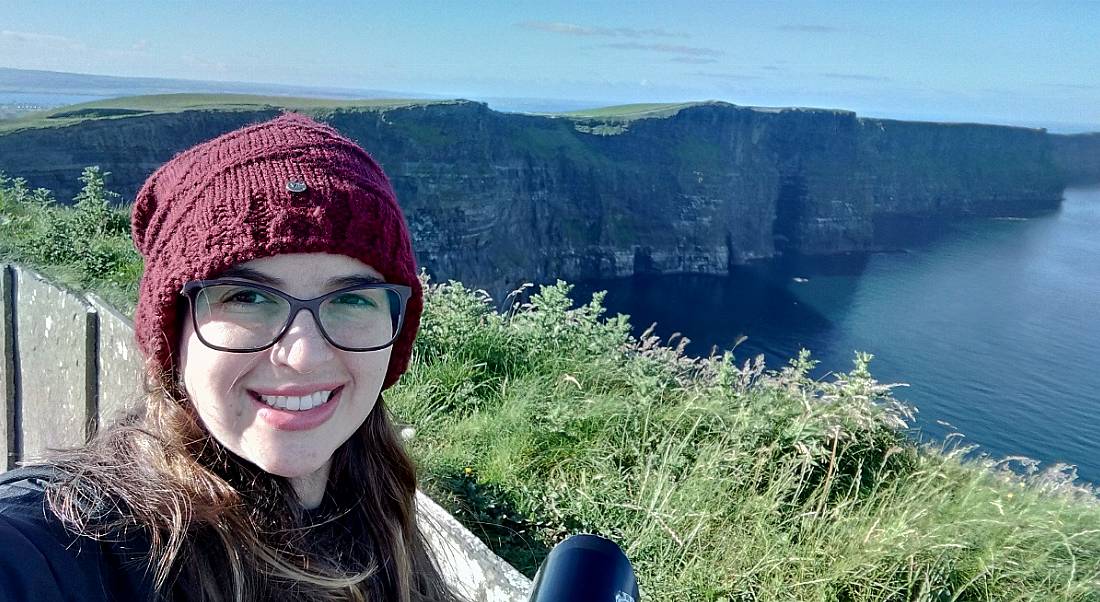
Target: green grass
{"x": 632, "y": 111}
{"x": 722, "y": 480}
{"x": 130, "y": 106}
{"x": 174, "y": 103}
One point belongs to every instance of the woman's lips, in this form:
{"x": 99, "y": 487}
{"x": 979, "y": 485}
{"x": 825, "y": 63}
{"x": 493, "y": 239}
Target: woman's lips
{"x": 296, "y": 420}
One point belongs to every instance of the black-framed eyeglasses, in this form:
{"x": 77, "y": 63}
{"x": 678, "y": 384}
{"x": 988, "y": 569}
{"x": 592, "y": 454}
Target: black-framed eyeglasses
{"x": 243, "y": 317}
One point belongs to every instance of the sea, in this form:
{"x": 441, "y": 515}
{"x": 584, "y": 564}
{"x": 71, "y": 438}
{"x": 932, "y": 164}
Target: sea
{"x": 991, "y": 325}
{"x": 45, "y": 100}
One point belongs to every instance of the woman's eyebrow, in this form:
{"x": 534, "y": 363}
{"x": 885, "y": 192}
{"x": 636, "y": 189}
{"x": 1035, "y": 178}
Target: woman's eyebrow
{"x": 337, "y": 282}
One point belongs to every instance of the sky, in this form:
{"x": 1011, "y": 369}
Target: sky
{"x": 1019, "y": 63}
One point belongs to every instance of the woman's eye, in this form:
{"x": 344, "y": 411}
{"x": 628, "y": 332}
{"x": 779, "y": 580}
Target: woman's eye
{"x": 353, "y": 299}
{"x": 246, "y": 297}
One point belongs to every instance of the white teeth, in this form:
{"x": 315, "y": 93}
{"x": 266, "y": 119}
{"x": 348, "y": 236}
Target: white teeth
{"x": 297, "y": 404}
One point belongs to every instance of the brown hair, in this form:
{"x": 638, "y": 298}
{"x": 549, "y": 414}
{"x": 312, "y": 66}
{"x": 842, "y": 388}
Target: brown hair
{"x": 221, "y": 529}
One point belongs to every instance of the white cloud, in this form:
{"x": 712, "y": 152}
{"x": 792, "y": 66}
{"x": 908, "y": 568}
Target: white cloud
{"x": 573, "y": 29}
{"x": 666, "y": 48}
{"x": 856, "y": 77}
{"x": 727, "y": 76}
{"x": 692, "y": 60}
{"x": 810, "y": 28}
{"x": 205, "y": 63}
{"x": 41, "y": 39}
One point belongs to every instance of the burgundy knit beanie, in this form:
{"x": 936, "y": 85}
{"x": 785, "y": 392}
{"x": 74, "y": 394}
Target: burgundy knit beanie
{"x": 289, "y": 185}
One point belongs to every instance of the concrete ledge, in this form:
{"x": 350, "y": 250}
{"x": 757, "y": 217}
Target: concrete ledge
{"x": 55, "y": 339}
{"x": 468, "y": 565}
{"x": 9, "y": 451}
{"x": 118, "y": 362}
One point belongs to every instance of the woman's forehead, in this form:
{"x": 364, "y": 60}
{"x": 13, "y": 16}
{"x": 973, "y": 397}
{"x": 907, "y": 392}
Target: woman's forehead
{"x": 307, "y": 270}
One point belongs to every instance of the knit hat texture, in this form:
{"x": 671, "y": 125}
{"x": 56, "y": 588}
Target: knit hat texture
{"x": 241, "y": 197}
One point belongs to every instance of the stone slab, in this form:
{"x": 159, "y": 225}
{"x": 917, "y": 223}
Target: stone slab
{"x": 9, "y": 451}
{"x": 55, "y": 350}
{"x": 119, "y": 363}
{"x": 467, "y": 564}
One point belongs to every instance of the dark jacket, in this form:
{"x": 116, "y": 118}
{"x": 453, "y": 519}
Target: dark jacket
{"x": 41, "y": 561}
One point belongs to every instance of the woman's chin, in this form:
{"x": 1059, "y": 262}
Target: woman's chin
{"x": 290, "y": 468}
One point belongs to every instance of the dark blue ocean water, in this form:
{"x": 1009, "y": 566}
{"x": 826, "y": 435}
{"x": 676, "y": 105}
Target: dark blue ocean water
{"x": 994, "y": 324}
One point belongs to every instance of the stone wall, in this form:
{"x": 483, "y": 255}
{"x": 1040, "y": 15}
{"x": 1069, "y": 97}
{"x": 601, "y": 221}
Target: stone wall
{"x": 70, "y": 364}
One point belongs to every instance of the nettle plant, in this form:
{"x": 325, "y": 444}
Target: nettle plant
{"x": 89, "y": 241}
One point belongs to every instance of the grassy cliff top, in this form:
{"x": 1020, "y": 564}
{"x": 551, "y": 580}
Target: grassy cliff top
{"x": 636, "y": 111}
{"x": 658, "y": 110}
{"x": 130, "y": 106}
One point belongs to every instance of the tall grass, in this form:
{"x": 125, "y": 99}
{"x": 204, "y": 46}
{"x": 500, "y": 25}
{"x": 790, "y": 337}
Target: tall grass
{"x": 723, "y": 480}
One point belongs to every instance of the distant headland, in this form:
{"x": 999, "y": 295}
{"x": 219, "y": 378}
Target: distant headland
{"x": 495, "y": 198}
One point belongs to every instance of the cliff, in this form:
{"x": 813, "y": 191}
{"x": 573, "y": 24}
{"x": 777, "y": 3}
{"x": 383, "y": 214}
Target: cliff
{"x": 1078, "y": 156}
{"x": 495, "y": 199}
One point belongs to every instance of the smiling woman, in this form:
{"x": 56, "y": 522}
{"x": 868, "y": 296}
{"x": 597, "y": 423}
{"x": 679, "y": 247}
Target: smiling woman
{"x": 279, "y": 300}
{"x": 269, "y": 381}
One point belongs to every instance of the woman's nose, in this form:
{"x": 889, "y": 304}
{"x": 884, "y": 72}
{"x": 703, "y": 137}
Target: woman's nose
{"x": 303, "y": 347}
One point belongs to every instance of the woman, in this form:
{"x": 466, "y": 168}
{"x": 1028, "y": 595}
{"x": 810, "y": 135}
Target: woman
{"x": 279, "y": 300}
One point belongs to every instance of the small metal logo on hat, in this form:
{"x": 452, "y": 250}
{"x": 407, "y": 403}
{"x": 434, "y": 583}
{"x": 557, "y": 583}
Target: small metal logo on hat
{"x": 296, "y": 186}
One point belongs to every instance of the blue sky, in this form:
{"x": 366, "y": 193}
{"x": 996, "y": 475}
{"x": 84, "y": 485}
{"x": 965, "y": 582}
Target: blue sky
{"x": 1000, "y": 62}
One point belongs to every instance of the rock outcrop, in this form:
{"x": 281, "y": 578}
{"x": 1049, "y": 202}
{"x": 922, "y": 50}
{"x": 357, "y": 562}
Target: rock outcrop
{"x": 495, "y": 199}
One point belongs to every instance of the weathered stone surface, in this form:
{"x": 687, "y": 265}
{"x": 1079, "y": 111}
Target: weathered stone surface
{"x": 8, "y": 451}
{"x": 468, "y": 565}
{"x": 55, "y": 349}
{"x": 119, "y": 363}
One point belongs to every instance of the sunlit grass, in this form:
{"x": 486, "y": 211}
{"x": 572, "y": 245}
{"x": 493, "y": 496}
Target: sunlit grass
{"x": 129, "y": 106}
{"x": 631, "y": 111}
{"x": 722, "y": 481}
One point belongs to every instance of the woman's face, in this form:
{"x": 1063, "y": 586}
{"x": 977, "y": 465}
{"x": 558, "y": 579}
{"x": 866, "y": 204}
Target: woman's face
{"x": 233, "y": 393}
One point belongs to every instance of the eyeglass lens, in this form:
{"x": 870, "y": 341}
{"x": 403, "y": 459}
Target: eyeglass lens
{"x": 236, "y": 316}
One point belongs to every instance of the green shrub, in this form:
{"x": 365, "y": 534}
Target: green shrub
{"x": 86, "y": 245}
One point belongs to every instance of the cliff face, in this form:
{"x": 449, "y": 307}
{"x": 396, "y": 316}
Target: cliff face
{"x": 130, "y": 148}
{"x": 920, "y": 169}
{"x": 1078, "y": 156}
{"x": 495, "y": 199}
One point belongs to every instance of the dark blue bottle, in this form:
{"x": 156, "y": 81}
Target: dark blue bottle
{"x": 585, "y": 568}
